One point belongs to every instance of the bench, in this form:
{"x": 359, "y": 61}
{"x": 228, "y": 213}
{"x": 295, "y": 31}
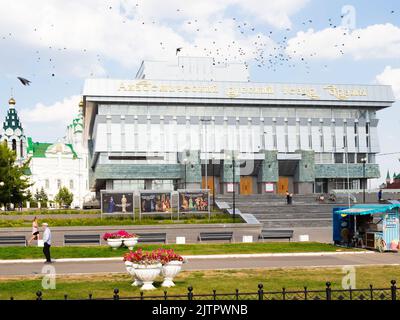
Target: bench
{"x": 81, "y": 239}
{"x": 276, "y": 234}
{"x": 215, "y": 236}
{"x": 13, "y": 240}
{"x": 152, "y": 237}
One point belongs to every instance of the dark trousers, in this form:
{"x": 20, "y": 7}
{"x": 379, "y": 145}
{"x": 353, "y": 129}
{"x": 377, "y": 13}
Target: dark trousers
{"x": 46, "y": 251}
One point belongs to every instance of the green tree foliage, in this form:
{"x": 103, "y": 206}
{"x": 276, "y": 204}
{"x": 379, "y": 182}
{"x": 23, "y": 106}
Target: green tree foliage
{"x": 64, "y": 196}
{"x": 13, "y": 182}
{"x": 42, "y": 197}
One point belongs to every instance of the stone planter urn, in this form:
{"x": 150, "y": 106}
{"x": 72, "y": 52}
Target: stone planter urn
{"x": 114, "y": 243}
{"x": 130, "y": 267}
{"x": 169, "y": 272}
{"x": 147, "y": 274}
{"x": 130, "y": 242}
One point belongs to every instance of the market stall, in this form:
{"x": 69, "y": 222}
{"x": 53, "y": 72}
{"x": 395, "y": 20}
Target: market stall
{"x": 372, "y": 226}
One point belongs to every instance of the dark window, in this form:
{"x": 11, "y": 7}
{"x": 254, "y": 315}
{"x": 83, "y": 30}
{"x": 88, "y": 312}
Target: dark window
{"x": 14, "y": 145}
{"x": 338, "y": 157}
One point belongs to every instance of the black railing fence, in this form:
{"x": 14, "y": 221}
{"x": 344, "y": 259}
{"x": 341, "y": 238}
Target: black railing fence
{"x": 371, "y": 293}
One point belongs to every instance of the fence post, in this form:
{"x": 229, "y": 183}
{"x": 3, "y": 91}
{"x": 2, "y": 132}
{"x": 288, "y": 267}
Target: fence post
{"x": 39, "y": 295}
{"x": 371, "y": 292}
{"x": 65, "y": 297}
{"x": 328, "y": 291}
{"x": 141, "y": 295}
{"x": 116, "y": 296}
{"x": 283, "y": 293}
{"x": 165, "y": 295}
{"x": 393, "y": 289}
{"x": 305, "y": 293}
{"x": 11, "y": 298}
{"x": 90, "y": 296}
{"x": 260, "y": 291}
{"x": 190, "y": 293}
{"x": 215, "y": 294}
{"x": 237, "y": 294}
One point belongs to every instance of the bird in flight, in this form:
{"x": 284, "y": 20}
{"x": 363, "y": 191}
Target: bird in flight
{"x": 24, "y": 81}
{"x": 178, "y": 50}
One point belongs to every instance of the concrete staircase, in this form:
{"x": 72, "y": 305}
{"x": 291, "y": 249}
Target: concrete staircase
{"x": 274, "y": 213}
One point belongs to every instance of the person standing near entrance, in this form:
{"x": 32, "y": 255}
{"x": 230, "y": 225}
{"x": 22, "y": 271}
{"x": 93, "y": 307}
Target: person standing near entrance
{"x": 380, "y": 195}
{"x": 287, "y": 197}
{"x": 46, "y": 242}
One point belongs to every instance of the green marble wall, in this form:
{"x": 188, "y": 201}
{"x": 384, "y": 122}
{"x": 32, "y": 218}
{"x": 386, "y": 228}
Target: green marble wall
{"x": 269, "y": 170}
{"x": 193, "y": 166}
{"x": 339, "y": 170}
{"x": 305, "y": 167}
{"x": 227, "y": 170}
{"x": 138, "y": 171}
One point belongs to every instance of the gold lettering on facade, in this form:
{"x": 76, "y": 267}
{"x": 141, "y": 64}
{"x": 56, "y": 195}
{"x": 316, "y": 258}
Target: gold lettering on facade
{"x": 343, "y": 94}
{"x": 309, "y": 92}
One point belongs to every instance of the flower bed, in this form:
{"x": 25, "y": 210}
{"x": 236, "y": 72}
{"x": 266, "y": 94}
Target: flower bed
{"x": 146, "y": 266}
{"x": 116, "y": 239}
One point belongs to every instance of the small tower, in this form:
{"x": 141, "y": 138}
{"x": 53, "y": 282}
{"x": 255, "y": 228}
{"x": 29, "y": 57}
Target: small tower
{"x": 13, "y": 132}
{"x": 388, "y": 178}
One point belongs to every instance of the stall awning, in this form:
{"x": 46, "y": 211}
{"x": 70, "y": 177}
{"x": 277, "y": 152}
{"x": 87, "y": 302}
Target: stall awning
{"x": 363, "y": 209}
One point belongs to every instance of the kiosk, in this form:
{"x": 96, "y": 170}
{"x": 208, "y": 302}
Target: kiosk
{"x": 372, "y": 226}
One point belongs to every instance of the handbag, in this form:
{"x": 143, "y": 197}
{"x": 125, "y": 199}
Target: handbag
{"x": 40, "y": 243}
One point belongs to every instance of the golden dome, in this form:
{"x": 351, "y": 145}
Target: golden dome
{"x": 81, "y": 104}
{"x": 11, "y": 101}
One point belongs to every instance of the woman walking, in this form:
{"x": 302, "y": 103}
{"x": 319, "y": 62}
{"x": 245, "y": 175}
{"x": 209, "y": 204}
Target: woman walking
{"x": 35, "y": 230}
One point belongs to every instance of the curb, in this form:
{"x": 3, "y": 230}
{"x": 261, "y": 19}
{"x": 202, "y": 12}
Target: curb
{"x": 198, "y": 257}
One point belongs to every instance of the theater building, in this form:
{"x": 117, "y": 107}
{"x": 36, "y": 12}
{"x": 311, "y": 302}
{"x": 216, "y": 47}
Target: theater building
{"x": 191, "y": 124}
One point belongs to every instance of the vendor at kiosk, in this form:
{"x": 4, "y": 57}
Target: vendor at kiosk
{"x": 367, "y": 226}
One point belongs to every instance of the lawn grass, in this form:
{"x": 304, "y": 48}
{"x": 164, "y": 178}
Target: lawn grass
{"x": 123, "y": 221}
{"x": 7, "y": 253}
{"x": 223, "y": 281}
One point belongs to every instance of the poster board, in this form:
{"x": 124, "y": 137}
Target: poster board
{"x": 115, "y": 202}
{"x": 155, "y": 202}
{"x": 193, "y": 201}
{"x": 269, "y": 187}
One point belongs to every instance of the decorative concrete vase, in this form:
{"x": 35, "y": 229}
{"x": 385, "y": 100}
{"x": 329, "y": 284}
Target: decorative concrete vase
{"x": 147, "y": 274}
{"x": 130, "y": 242}
{"x": 169, "y": 272}
{"x": 130, "y": 267}
{"x": 114, "y": 243}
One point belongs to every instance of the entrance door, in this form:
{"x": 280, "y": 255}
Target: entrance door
{"x": 283, "y": 185}
{"x": 209, "y": 185}
{"x": 246, "y": 185}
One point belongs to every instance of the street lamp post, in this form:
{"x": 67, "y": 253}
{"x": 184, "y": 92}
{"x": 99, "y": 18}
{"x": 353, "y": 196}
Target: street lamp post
{"x": 233, "y": 180}
{"x": 213, "y": 184}
{"x": 185, "y": 162}
{"x": 364, "y": 160}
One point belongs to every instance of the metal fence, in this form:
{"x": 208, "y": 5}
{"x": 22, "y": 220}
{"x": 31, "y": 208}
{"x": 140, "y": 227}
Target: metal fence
{"x": 371, "y": 293}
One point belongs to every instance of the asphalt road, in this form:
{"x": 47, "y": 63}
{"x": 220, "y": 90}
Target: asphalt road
{"x": 71, "y": 268}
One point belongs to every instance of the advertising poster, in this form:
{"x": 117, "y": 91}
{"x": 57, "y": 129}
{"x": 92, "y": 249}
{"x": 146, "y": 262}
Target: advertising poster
{"x": 193, "y": 201}
{"x": 151, "y": 202}
{"x": 116, "y": 202}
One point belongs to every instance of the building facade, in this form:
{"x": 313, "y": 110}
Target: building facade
{"x": 61, "y": 164}
{"x": 197, "y": 128}
{"x": 13, "y": 133}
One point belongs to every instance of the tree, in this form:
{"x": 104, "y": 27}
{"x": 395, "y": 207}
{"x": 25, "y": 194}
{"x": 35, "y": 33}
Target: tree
{"x": 64, "y": 196}
{"x": 13, "y": 182}
{"x": 42, "y": 197}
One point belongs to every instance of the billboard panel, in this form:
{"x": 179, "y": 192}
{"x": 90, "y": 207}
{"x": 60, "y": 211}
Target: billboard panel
{"x": 116, "y": 202}
{"x": 193, "y": 201}
{"x": 151, "y": 202}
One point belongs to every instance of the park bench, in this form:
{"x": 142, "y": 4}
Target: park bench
{"x": 152, "y": 237}
{"x": 81, "y": 239}
{"x": 276, "y": 234}
{"x": 215, "y": 236}
{"x": 13, "y": 240}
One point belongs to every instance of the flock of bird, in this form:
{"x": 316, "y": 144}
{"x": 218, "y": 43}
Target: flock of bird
{"x": 269, "y": 49}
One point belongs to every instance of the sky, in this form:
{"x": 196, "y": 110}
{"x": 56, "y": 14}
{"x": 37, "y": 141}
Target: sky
{"x": 57, "y": 44}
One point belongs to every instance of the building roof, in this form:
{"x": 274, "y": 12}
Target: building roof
{"x": 12, "y": 120}
{"x": 39, "y": 149}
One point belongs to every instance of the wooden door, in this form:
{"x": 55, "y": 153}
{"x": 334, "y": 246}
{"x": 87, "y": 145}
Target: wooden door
{"x": 283, "y": 185}
{"x": 246, "y": 185}
{"x": 210, "y": 184}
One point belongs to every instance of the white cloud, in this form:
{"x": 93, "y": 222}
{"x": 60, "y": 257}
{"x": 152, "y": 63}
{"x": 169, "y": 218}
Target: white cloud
{"x": 59, "y": 113}
{"x": 374, "y": 41}
{"x": 390, "y": 76}
{"x": 117, "y": 31}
